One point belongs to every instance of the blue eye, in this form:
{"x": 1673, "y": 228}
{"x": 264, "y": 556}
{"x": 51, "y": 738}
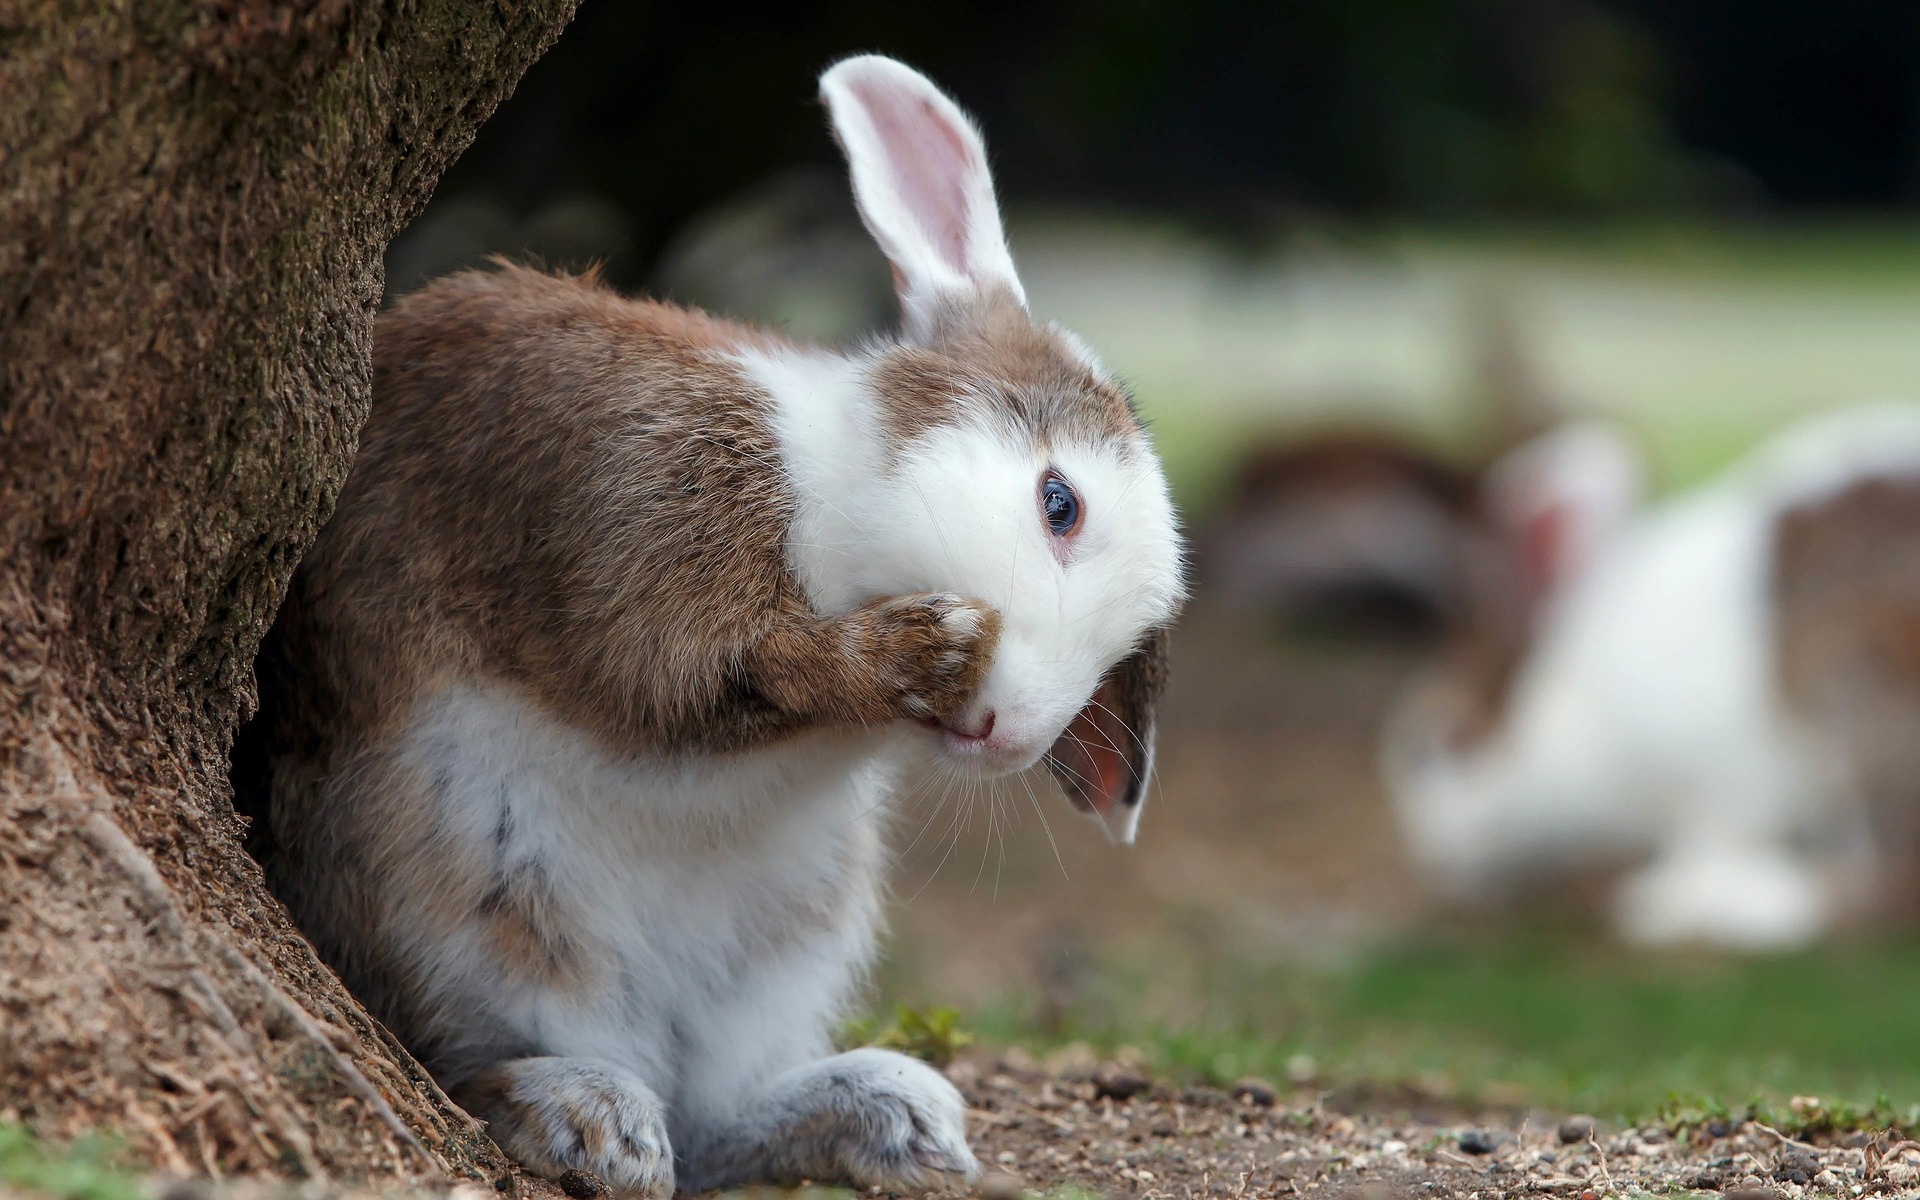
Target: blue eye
{"x": 1060, "y": 506}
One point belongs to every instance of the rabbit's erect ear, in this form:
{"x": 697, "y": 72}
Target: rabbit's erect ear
{"x": 920, "y": 178}
{"x": 1105, "y": 757}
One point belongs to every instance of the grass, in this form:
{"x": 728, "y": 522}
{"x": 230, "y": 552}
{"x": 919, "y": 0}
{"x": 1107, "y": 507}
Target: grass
{"x": 1542, "y": 1020}
{"x": 83, "y": 1171}
{"x": 933, "y": 1036}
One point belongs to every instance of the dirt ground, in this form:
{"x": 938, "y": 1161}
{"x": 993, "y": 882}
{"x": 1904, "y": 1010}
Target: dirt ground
{"x": 1105, "y": 1129}
{"x": 1074, "y": 1126}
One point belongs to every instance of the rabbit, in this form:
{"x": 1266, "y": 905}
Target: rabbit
{"x": 581, "y": 719}
{"x": 1703, "y": 685}
{"x": 1369, "y": 532}
{"x": 1350, "y": 530}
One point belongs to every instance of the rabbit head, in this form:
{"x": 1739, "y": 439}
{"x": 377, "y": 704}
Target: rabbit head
{"x": 983, "y": 453}
{"x": 1481, "y": 780}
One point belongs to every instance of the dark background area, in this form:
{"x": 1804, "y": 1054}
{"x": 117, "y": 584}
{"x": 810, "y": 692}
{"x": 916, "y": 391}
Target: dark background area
{"x": 1240, "y": 119}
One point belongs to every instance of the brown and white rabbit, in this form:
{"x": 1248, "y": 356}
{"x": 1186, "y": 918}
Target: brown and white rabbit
{"x": 1354, "y": 530}
{"x": 583, "y": 713}
{"x": 1723, "y": 687}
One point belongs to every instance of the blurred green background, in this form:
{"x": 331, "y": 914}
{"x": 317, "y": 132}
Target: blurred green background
{"x": 1699, "y": 216}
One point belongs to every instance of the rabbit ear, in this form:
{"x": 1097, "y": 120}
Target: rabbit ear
{"x": 1105, "y": 757}
{"x": 920, "y": 178}
{"x": 1561, "y": 497}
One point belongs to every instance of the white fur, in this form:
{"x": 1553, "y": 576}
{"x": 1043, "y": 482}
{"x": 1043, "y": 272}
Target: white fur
{"x": 1646, "y": 719}
{"x": 686, "y": 888}
{"x": 670, "y": 876}
{"x": 907, "y": 143}
{"x": 957, "y": 511}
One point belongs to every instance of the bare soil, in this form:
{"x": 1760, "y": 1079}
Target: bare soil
{"x": 1073, "y": 1125}
{"x": 1106, "y": 1129}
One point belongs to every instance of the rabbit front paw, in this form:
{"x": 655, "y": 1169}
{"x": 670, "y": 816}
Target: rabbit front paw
{"x": 936, "y": 647}
{"x": 900, "y": 1124}
{"x": 563, "y": 1114}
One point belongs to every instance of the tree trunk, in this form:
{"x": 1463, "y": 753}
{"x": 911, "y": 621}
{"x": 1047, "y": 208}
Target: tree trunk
{"x": 194, "y": 200}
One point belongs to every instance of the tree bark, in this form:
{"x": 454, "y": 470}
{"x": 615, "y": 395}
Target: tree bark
{"x": 194, "y": 200}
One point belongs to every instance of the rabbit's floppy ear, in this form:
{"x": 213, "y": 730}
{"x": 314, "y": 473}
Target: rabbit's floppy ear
{"x": 920, "y": 179}
{"x": 1104, "y": 758}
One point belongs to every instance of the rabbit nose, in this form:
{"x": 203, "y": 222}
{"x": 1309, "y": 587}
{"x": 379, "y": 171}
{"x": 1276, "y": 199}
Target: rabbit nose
{"x": 983, "y": 727}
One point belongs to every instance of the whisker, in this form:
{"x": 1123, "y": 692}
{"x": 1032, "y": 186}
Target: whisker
{"x": 985, "y": 847}
{"x": 945, "y": 795}
{"x": 1131, "y": 770}
{"x": 1035, "y": 802}
{"x": 1123, "y": 724}
{"x": 953, "y": 827}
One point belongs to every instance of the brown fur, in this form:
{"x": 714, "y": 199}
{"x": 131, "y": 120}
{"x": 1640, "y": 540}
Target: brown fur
{"x": 1846, "y": 578}
{"x": 1343, "y": 461}
{"x": 1036, "y": 384}
{"x": 567, "y": 490}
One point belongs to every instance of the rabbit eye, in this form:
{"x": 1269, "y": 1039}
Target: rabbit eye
{"x": 1059, "y": 505}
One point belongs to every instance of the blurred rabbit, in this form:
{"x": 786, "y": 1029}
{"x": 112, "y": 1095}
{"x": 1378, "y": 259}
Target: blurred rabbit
{"x": 1724, "y": 686}
{"x": 1351, "y": 529}
{"x": 1367, "y": 530}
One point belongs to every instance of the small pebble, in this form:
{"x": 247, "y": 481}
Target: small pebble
{"x": 1827, "y": 1180}
{"x": 1719, "y": 1129}
{"x": 506, "y": 1185}
{"x": 583, "y": 1185}
{"x": 1393, "y": 1146}
{"x": 1576, "y": 1129}
{"x": 1480, "y": 1141}
{"x": 1001, "y": 1185}
{"x": 1796, "y": 1166}
{"x": 1120, "y": 1084}
{"x": 1746, "y": 1192}
{"x": 1255, "y": 1091}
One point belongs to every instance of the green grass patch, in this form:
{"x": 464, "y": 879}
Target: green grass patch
{"x": 1546, "y": 1021}
{"x": 83, "y": 1171}
{"x": 933, "y": 1035}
